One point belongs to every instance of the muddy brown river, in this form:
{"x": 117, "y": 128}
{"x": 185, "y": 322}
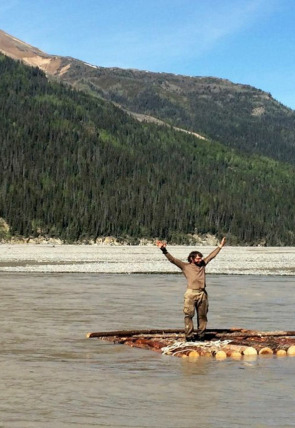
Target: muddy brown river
{"x": 53, "y": 376}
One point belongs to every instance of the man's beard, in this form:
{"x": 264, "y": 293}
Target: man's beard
{"x": 200, "y": 264}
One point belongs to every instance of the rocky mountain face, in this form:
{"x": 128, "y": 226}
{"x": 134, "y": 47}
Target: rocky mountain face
{"x": 28, "y": 54}
{"x": 238, "y": 116}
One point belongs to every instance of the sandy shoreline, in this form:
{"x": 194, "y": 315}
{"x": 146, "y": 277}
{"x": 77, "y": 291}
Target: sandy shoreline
{"x": 141, "y": 259}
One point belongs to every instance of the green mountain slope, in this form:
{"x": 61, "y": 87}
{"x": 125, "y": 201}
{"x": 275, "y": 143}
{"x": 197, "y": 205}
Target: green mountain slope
{"x": 76, "y": 167}
{"x": 236, "y": 115}
{"x": 239, "y": 116}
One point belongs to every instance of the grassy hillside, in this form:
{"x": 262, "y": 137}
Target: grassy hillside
{"x": 76, "y": 167}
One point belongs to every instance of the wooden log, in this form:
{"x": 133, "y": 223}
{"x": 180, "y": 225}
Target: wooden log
{"x": 210, "y": 333}
{"x": 249, "y": 351}
{"x": 125, "y": 333}
{"x": 229, "y": 349}
{"x": 265, "y": 351}
{"x": 291, "y": 350}
{"x": 220, "y": 355}
{"x": 194, "y": 354}
{"x": 251, "y": 333}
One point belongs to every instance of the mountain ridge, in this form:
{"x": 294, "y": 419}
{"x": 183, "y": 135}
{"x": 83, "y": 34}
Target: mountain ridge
{"x": 57, "y": 65}
{"x": 237, "y": 115}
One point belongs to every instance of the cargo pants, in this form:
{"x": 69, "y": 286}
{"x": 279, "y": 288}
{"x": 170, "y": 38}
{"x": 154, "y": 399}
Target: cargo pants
{"x": 195, "y": 300}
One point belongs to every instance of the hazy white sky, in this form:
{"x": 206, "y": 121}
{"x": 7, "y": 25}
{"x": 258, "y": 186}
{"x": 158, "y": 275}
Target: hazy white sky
{"x": 245, "y": 41}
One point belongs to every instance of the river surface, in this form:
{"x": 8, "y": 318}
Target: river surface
{"x": 53, "y": 376}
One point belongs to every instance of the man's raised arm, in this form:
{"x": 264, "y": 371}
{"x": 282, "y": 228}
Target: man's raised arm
{"x": 215, "y": 252}
{"x": 162, "y": 245}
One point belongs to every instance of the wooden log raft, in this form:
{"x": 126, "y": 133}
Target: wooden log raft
{"x": 220, "y": 343}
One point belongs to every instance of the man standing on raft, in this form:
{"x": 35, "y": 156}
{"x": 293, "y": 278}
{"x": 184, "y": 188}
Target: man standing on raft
{"x": 195, "y": 297}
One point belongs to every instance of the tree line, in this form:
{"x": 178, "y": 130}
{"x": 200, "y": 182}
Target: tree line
{"x": 76, "y": 167}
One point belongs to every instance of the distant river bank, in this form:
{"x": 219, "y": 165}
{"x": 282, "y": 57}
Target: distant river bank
{"x": 141, "y": 259}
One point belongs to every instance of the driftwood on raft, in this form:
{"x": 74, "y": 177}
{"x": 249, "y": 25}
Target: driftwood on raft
{"x": 233, "y": 341}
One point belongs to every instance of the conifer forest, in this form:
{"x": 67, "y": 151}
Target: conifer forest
{"x": 76, "y": 167}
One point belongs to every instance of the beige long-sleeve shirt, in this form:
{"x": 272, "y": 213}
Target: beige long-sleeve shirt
{"x": 195, "y": 275}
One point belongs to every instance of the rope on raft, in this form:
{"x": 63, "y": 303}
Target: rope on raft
{"x": 177, "y": 346}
